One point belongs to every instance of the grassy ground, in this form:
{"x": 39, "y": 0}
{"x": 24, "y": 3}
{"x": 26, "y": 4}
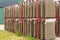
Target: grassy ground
{"x": 5, "y": 35}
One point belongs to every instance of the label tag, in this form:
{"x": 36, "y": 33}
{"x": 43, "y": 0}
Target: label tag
{"x": 50, "y": 20}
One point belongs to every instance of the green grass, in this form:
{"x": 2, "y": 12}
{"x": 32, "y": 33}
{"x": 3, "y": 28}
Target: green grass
{"x": 30, "y": 38}
{"x": 5, "y": 35}
{"x": 18, "y": 33}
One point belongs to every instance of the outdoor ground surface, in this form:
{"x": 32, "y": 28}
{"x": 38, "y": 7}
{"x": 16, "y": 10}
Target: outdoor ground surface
{"x": 5, "y": 35}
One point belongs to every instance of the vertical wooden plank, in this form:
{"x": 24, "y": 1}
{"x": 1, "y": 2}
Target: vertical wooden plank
{"x": 31, "y": 10}
{"x": 12, "y": 19}
{"x": 37, "y": 13}
{"x": 49, "y": 30}
{"x": 49, "y": 8}
{"x": 5, "y": 18}
{"x": 34, "y": 9}
{"x": 56, "y": 11}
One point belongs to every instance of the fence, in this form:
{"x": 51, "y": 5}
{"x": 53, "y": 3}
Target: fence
{"x": 34, "y": 18}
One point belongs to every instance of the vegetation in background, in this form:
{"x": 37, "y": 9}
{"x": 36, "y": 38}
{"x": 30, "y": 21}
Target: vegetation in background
{"x": 18, "y": 33}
